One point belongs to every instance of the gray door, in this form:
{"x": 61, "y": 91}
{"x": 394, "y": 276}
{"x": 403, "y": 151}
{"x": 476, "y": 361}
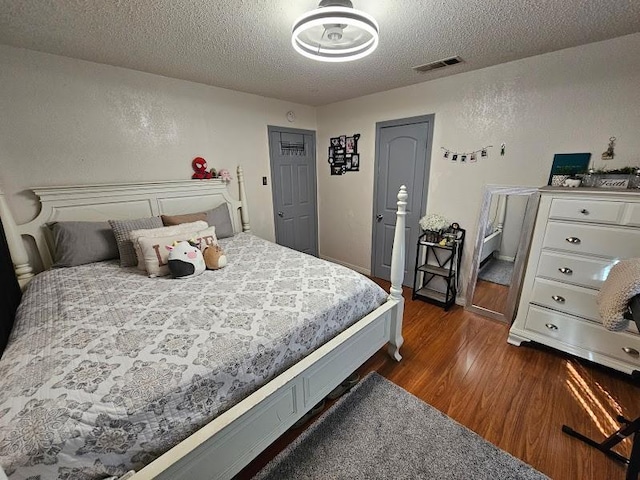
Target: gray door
{"x": 403, "y": 150}
{"x": 293, "y": 183}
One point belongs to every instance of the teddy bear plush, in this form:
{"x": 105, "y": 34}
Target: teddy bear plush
{"x": 199, "y": 166}
{"x": 185, "y": 260}
{"x": 224, "y": 175}
{"x": 214, "y": 257}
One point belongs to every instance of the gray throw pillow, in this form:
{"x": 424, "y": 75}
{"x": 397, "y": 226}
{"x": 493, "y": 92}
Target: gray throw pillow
{"x": 77, "y": 243}
{"x": 121, "y": 229}
{"x": 219, "y": 217}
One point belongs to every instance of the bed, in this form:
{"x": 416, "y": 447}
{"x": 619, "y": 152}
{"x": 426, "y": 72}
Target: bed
{"x": 182, "y": 340}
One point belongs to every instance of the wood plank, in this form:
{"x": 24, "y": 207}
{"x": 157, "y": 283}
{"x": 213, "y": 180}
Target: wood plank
{"x": 491, "y": 296}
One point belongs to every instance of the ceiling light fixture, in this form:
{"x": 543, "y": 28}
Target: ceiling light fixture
{"x": 335, "y": 32}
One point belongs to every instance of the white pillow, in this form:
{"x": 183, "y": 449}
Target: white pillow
{"x": 162, "y": 232}
{"x": 155, "y": 253}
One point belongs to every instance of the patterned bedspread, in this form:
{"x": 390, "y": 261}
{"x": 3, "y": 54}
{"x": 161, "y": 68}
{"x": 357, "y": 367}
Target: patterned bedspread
{"x": 106, "y": 369}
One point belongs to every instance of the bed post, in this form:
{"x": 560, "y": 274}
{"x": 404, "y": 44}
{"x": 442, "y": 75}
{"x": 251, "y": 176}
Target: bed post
{"x": 244, "y": 210}
{"x": 397, "y": 275}
{"x": 19, "y": 256}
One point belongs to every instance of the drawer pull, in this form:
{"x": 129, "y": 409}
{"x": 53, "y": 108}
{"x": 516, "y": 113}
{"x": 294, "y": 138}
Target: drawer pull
{"x": 584, "y": 211}
{"x": 574, "y": 240}
{"x": 558, "y": 298}
{"x": 565, "y": 270}
{"x": 550, "y": 326}
{"x": 631, "y": 351}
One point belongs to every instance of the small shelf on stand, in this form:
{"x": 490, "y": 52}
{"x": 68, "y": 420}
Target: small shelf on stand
{"x": 436, "y": 260}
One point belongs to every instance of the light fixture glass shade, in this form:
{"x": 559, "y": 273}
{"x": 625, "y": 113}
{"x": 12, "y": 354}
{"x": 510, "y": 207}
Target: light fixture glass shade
{"x": 335, "y": 34}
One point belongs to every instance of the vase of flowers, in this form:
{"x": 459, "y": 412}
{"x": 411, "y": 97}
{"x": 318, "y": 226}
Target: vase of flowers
{"x": 433, "y": 225}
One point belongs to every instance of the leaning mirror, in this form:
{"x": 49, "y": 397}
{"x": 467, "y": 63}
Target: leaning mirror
{"x": 504, "y": 229}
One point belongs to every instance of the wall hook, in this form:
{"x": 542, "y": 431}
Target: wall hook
{"x": 609, "y": 154}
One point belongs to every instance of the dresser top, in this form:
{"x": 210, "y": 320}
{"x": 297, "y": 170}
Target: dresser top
{"x": 608, "y": 192}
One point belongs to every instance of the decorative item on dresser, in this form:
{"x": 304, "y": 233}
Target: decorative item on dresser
{"x": 579, "y": 235}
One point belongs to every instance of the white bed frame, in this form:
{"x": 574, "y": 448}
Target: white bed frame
{"x": 223, "y": 447}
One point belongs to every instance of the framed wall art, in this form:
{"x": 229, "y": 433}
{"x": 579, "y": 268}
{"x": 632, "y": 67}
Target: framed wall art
{"x": 343, "y": 154}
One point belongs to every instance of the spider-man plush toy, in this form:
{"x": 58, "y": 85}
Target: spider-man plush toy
{"x": 199, "y": 165}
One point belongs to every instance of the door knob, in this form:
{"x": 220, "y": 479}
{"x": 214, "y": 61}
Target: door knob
{"x": 379, "y": 217}
{"x": 281, "y": 214}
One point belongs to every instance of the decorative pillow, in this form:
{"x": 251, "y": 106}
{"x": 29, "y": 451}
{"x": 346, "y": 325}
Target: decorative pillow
{"x": 155, "y": 252}
{"x": 121, "y": 229}
{"x": 77, "y": 243}
{"x": 220, "y": 218}
{"x": 169, "y": 220}
{"x": 162, "y": 232}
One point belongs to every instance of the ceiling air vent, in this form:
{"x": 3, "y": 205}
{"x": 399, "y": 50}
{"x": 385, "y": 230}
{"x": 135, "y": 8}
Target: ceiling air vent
{"x": 438, "y": 64}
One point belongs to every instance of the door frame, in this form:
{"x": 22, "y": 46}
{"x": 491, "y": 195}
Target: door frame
{"x": 430, "y": 118}
{"x": 312, "y": 149}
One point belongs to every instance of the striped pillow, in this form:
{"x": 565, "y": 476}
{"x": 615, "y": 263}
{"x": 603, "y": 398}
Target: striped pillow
{"x": 121, "y": 229}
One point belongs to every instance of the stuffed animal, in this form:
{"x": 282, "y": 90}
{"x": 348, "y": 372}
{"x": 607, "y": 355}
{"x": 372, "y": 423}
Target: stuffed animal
{"x": 185, "y": 260}
{"x": 224, "y": 175}
{"x": 571, "y": 182}
{"x": 199, "y": 165}
{"x": 214, "y": 257}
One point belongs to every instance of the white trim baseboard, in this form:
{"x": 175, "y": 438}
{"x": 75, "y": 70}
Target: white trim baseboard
{"x": 504, "y": 257}
{"x": 364, "y": 271}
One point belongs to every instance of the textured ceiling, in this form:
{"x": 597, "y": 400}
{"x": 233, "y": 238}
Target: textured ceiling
{"x": 245, "y": 44}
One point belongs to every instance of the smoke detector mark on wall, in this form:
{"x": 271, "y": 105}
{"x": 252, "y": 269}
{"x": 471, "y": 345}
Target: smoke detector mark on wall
{"x": 446, "y": 62}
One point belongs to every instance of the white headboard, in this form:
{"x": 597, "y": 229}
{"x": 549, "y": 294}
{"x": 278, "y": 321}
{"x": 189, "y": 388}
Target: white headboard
{"x": 116, "y": 201}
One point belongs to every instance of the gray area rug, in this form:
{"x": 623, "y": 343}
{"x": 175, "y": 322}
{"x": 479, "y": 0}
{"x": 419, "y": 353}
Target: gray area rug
{"x": 497, "y": 271}
{"x": 380, "y": 431}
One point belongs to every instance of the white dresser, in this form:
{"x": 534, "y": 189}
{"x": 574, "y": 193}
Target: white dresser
{"x": 579, "y": 235}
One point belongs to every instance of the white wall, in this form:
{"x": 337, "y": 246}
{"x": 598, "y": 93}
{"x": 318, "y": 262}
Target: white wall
{"x": 68, "y": 121}
{"x": 567, "y": 101}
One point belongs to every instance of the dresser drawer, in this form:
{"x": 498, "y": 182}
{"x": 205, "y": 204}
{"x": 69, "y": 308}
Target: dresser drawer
{"x": 596, "y": 211}
{"x": 631, "y": 216}
{"x": 566, "y": 298}
{"x": 585, "y": 271}
{"x": 604, "y": 241}
{"x": 584, "y": 334}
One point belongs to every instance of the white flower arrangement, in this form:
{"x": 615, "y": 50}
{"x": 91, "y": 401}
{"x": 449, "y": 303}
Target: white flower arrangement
{"x": 434, "y": 222}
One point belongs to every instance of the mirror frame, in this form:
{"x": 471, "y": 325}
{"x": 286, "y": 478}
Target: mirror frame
{"x": 525, "y": 242}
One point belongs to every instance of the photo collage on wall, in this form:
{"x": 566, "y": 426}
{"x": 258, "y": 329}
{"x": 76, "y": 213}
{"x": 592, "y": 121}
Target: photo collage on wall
{"x": 470, "y": 157}
{"x": 343, "y": 154}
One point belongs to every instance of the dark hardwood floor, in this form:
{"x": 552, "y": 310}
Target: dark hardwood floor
{"x": 491, "y": 296}
{"x": 515, "y": 397}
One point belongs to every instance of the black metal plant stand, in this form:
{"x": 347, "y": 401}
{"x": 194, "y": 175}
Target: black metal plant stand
{"x": 440, "y": 261}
